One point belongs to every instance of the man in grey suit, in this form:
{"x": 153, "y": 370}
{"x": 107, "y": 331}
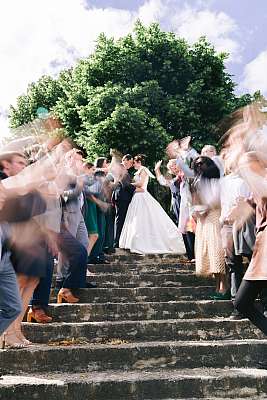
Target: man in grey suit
{"x": 73, "y": 219}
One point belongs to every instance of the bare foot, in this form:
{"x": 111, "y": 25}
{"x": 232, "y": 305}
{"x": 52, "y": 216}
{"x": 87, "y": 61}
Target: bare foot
{"x": 13, "y": 342}
{"x": 22, "y": 338}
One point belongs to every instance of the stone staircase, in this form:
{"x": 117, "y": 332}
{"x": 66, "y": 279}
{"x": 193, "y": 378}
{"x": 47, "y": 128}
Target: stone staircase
{"x": 147, "y": 332}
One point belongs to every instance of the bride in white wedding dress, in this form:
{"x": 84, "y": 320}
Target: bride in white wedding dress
{"x": 147, "y": 228}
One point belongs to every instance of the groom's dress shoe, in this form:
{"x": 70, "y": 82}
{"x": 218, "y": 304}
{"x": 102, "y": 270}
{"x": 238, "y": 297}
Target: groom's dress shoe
{"x": 262, "y": 364}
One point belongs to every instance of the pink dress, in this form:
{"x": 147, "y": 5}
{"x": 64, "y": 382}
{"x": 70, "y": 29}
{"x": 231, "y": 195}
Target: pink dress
{"x": 257, "y": 269}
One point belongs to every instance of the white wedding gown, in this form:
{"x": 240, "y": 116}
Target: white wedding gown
{"x": 147, "y": 228}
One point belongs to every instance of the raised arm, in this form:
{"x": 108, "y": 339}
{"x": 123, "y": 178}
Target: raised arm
{"x": 160, "y": 178}
{"x": 188, "y": 172}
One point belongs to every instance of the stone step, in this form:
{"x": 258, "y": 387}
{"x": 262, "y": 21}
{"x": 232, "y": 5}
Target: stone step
{"x": 149, "y": 280}
{"x": 135, "y": 385}
{"x": 133, "y": 356}
{"x": 104, "y": 295}
{"x": 142, "y": 268}
{"x": 146, "y": 258}
{"x": 139, "y": 311}
{"x": 132, "y": 279}
{"x": 135, "y": 331}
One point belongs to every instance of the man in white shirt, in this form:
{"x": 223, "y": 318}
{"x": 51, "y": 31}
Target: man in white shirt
{"x": 232, "y": 189}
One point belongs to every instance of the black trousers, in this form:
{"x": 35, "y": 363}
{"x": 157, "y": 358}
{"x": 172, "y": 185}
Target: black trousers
{"x": 189, "y": 242}
{"x": 121, "y": 211}
{"x": 245, "y": 303}
{"x": 109, "y": 231}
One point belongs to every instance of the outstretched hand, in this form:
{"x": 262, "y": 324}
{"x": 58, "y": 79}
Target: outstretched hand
{"x": 158, "y": 165}
{"x": 240, "y": 212}
{"x": 173, "y": 149}
{"x": 185, "y": 142}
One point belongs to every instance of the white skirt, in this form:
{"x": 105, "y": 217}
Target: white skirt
{"x": 148, "y": 229}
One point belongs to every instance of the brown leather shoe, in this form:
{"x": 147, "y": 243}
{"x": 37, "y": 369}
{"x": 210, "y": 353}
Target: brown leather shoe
{"x": 38, "y": 315}
{"x": 66, "y": 295}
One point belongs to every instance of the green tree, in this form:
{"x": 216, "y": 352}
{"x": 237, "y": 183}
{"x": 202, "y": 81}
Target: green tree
{"x": 138, "y": 93}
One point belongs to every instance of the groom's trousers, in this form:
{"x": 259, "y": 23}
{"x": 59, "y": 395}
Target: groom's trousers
{"x": 121, "y": 211}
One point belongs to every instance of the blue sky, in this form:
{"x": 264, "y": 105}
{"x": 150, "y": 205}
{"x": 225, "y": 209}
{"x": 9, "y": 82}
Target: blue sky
{"x": 38, "y": 37}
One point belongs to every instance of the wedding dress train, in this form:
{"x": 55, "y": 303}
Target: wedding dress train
{"x": 147, "y": 228}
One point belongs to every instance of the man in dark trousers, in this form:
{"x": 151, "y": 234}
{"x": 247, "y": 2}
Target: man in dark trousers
{"x": 122, "y": 196}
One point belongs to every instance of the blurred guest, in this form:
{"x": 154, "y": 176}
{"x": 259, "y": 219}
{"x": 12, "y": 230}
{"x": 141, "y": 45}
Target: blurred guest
{"x": 179, "y": 209}
{"x": 206, "y": 209}
{"x": 97, "y": 255}
{"x": 236, "y": 242}
{"x": 29, "y": 259}
{"x": 90, "y": 208}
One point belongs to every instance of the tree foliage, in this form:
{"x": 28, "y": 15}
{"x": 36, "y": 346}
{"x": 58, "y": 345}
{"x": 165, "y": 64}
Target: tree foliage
{"x": 137, "y": 93}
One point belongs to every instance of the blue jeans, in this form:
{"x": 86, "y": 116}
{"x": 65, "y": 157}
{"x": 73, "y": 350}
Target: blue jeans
{"x": 10, "y": 300}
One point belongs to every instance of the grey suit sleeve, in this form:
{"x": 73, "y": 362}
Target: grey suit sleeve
{"x": 72, "y": 194}
{"x": 188, "y": 172}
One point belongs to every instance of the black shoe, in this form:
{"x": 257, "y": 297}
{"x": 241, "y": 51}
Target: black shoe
{"x": 92, "y": 260}
{"x": 58, "y": 286}
{"x": 101, "y": 261}
{"x": 91, "y": 285}
{"x": 261, "y": 364}
{"x": 236, "y": 316}
{"x": 110, "y": 251}
{"x": 97, "y": 260}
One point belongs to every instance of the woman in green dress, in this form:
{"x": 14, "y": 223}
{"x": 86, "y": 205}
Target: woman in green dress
{"x": 90, "y": 215}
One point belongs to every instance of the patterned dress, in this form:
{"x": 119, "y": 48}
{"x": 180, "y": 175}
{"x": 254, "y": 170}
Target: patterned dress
{"x": 208, "y": 245}
{"x": 208, "y": 242}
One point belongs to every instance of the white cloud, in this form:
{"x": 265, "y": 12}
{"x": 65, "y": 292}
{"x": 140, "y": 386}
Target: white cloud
{"x": 38, "y": 37}
{"x": 219, "y": 28}
{"x": 43, "y": 37}
{"x": 152, "y": 10}
{"x": 255, "y": 74}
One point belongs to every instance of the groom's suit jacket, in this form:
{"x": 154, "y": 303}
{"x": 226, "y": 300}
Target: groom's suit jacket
{"x": 124, "y": 190}
{"x": 121, "y": 198}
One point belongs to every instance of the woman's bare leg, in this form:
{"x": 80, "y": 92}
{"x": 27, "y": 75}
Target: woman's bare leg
{"x": 26, "y": 297}
{"x": 26, "y": 287}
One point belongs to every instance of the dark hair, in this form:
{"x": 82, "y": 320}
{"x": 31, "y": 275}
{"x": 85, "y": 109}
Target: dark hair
{"x": 127, "y": 157}
{"x": 140, "y": 158}
{"x": 89, "y": 165}
{"x": 206, "y": 168}
{"x": 81, "y": 152}
{"x": 99, "y": 162}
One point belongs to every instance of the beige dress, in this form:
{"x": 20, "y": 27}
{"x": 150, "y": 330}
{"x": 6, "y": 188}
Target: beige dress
{"x": 208, "y": 245}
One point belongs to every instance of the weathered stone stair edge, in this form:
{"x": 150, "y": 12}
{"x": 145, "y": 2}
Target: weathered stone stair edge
{"x": 135, "y": 356}
{"x": 145, "y": 280}
{"x": 176, "y": 257}
{"x": 141, "y": 268}
{"x": 135, "y": 385}
{"x": 159, "y": 293}
{"x": 134, "y": 331}
{"x": 108, "y": 280}
{"x": 84, "y": 312}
